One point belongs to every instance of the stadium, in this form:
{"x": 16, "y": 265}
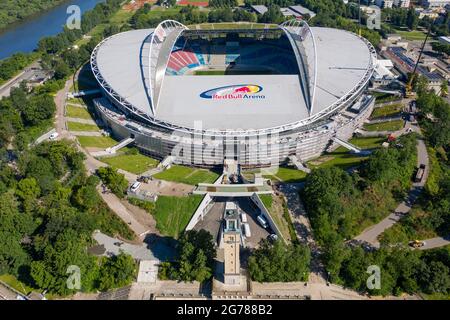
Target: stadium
{"x": 259, "y": 94}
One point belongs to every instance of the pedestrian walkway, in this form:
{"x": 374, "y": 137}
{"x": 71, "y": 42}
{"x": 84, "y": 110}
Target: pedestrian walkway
{"x": 371, "y": 234}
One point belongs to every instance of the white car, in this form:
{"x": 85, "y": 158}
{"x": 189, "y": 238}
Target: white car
{"x": 53, "y": 136}
{"x": 135, "y": 186}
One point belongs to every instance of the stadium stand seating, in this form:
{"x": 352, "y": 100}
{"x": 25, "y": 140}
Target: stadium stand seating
{"x": 271, "y": 54}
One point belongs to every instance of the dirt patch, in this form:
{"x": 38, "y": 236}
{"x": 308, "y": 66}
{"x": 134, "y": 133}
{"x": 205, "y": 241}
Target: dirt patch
{"x": 137, "y": 4}
{"x": 142, "y": 216}
{"x": 321, "y": 160}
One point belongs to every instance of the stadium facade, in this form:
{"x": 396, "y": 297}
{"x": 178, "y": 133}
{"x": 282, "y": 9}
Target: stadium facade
{"x": 258, "y": 95}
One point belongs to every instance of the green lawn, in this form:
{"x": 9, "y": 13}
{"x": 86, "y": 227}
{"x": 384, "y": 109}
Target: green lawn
{"x": 267, "y": 200}
{"x": 15, "y": 284}
{"x": 172, "y": 214}
{"x": 134, "y": 163}
{"x": 187, "y": 175}
{"x": 209, "y": 26}
{"x": 385, "y": 97}
{"x": 76, "y": 126}
{"x": 77, "y": 112}
{"x": 75, "y": 100}
{"x": 367, "y": 143}
{"x": 388, "y": 110}
{"x": 96, "y": 142}
{"x": 341, "y": 157}
{"x": 287, "y": 175}
{"x": 385, "y": 126}
{"x": 411, "y": 35}
{"x": 210, "y": 73}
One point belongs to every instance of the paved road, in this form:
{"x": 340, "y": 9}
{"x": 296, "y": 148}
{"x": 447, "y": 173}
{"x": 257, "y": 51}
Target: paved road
{"x": 435, "y": 243}
{"x": 113, "y": 246}
{"x": 371, "y": 234}
{"x": 303, "y": 229}
{"x": 6, "y": 293}
{"x": 27, "y": 74}
{"x": 115, "y": 205}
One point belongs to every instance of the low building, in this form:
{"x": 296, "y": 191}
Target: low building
{"x": 259, "y": 9}
{"x": 432, "y": 14}
{"x": 289, "y": 13}
{"x": 384, "y": 3}
{"x": 435, "y": 3}
{"x": 367, "y": 9}
{"x": 402, "y": 3}
{"x": 383, "y": 75}
{"x": 302, "y": 11}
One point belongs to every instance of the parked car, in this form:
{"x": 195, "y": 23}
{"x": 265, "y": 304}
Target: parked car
{"x": 262, "y": 221}
{"x": 247, "y": 231}
{"x": 272, "y": 237}
{"x": 135, "y": 186}
{"x": 53, "y": 136}
{"x": 417, "y": 243}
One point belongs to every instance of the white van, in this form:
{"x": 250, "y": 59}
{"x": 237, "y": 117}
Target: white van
{"x": 243, "y": 217}
{"x": 262, "y": 221}
{"x": 247, "y": 232}
{"x": 135, "y": 186}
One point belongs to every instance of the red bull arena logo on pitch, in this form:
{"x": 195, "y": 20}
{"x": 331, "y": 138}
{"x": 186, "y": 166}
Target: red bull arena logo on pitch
{"x": 235, "y": 92}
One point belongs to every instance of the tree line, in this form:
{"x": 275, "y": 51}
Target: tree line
{"x": 17, "y": 10}
{"x": 57, "y": 53}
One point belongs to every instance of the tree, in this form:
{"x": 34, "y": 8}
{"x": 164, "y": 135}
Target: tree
{"x": 116, "y": 271}
{"x": 444, "y": 88}
{"x": 412, "y": 19}
{"x": 69, "y": 249}
{"x": 279, "y": 262}
{"x": 272, "y": 15}
{"x": 435, "y": 277}
{"x": 196, "y": 257}
{"x": 38, "y": 109}
{"x": 115, "y": 181}
{"x": 28, "y": 190}
{"x": 62, "y": 70}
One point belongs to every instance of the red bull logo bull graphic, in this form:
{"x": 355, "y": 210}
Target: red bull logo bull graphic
{"x": 234, "y": 92}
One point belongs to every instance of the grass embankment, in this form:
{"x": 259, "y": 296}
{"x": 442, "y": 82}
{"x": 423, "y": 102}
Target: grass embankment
{"x": 96, "y": 142}
{"x": 187, "y": 175}
{"x": 385, "y": 126}
{"x": 280, "y": 214}
{"x": 172, "y": 214}
{"x": 134, "y": 163}
{"x": 287, "y": 175}
{"x": 76, "y": 126}
{"x": 387, "y": 111}
{"x": 77, "y": 112}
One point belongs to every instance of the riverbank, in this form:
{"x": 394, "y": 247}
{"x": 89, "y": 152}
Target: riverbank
{"x": 23, "y": 36}
{"x": 14, "y": 12}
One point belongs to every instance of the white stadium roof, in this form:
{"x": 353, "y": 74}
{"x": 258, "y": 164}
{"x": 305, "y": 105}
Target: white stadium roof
{"x": 340, "y": 61}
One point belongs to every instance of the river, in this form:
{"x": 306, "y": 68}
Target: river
{"x": 24, "y": 36}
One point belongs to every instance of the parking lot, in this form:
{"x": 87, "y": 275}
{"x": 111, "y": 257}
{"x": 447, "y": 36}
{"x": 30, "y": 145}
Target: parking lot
{"x": 213, "y": 220}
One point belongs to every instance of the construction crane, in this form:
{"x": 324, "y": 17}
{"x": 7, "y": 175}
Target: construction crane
{"x": 409, "y": 93}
